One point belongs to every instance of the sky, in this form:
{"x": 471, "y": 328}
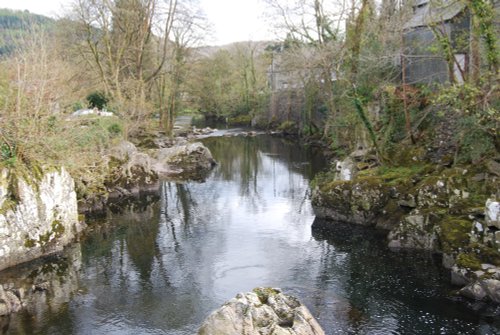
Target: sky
{"x": 232, "y": 20}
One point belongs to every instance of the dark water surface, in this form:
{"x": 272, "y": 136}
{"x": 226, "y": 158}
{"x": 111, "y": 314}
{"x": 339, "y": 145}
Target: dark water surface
{"x": 162, "y": 264}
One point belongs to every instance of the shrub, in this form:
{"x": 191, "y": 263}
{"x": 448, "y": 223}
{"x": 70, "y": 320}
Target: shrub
{"x": 474, "y": 141}
{"x": 7, "y": 154}
{"x": 115, "y": 129}
{"x": 97, "y": 100}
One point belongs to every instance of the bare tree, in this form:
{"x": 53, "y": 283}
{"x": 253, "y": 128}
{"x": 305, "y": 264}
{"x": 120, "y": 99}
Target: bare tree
{"x": 117, "y": 41}
{"x": 186, "y": 31}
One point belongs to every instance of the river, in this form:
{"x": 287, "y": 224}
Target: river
{"x": 162, "y": 263}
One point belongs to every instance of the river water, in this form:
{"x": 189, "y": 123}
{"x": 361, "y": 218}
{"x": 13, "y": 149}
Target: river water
{"x": 161, "y": 264}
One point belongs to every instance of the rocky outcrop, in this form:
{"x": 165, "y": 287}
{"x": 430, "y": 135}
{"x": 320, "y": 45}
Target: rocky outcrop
{"x": 453, "y": 211}
{"x": 265, "y": 311}
{"x": 359, "y": 201}
{"x": 129, "y": 172}
{"x": 38, "y": 214}
{"x": 346, "y": 197}
{"x": 418, "y": 230}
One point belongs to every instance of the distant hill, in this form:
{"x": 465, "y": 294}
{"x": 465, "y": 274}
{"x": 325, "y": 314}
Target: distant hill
{"x": 209, "y": 50}
{"x": 14, "y": 24}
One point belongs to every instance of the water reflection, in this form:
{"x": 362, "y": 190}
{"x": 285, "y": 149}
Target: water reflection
{"x": 392, "y": 293}
{"x": 45, "y": 287}
{"x": 162, "y": 264}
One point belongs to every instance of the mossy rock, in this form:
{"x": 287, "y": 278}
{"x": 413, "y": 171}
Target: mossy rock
{"x": 359, "y": 201}
{"x": 454, "y": 234}
{"x": 486, "y": 254}
{"x": 469, "y": 261}
{"x": 264, "y": 293}
{"x": 403, "y": 175}
{"x": 403, "y": 155}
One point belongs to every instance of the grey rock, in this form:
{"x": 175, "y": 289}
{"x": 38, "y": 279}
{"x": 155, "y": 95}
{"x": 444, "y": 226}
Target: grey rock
{"x": 123, "y": 151}
{"x": 479, "y": 273}
{"x": 415, "y": 231}
{"x": 474, "y": 291}
{"x": 346, "y": 169}
{"x": 409, "y": 202}
{"x": 42, "y": 220}
{"x": 493, "y": 167}
{"x": 37, "y": 287}
{"x": 350, "y": 201}
{"x": 459, "y": 276}
{"x": 483, "y": 289}
{"x": 261, "y": 312}
{"x": 448, "y": 261}
{"x": 492, "y": 289}
{"x": 188, "y": 159}
{"x": 486, "y": 266}
{"x": 9, "y": 302}
{"x": 492, "y": 213}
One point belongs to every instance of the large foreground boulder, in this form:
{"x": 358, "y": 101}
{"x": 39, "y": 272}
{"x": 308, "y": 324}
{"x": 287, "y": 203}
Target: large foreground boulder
{"x": 38, "y": 214}
{"x": 265, "y": 311}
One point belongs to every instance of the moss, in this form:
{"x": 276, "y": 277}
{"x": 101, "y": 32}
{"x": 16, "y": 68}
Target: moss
{"x": 468, "y": 261}
{"x": 264, "y": 293}
{"x": 403, "y": 155}
{"x": 288, "y": 127}
{"x": 333, "y": 185}
{"x": 8, "y": 205}
{"x": 454, "y": 234}
{"x": 486, "y": 254}
{"x": 29, "y": 242}
{"x": 401, "y": 174}
{"x": 57, "y": 228}
{"x": 322, "y": 178}
{"x": 43, "y": 239}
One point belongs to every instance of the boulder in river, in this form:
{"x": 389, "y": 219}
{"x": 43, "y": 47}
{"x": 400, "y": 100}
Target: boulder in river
{"x": 191, "y": 160}
{"x": 265, "y": 311}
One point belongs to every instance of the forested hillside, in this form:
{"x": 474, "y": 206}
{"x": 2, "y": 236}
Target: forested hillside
{"x": 15, "y": 25}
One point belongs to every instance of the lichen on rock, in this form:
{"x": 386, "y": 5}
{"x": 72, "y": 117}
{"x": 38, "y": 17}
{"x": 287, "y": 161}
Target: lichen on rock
{"x": 41, "y": 217}
{"x": 265, "y": 311}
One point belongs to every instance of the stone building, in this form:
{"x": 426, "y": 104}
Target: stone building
{"x": 423, "y": 59}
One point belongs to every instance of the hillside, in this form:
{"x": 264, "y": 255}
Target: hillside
{"x": 15, "y": 24}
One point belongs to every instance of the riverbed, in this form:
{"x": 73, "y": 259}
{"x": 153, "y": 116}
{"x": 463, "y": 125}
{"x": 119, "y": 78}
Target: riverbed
{"x": 161, "y": 263}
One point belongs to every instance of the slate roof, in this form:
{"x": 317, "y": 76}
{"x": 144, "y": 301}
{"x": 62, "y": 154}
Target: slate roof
{"x": 426, "y": 12}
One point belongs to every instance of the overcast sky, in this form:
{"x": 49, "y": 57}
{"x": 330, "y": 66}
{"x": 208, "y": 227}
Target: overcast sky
{"x": 233, "y": 20}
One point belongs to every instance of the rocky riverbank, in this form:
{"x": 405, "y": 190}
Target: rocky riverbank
{"x": 39, "y": 205}
{"x": 453, "y": 211}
